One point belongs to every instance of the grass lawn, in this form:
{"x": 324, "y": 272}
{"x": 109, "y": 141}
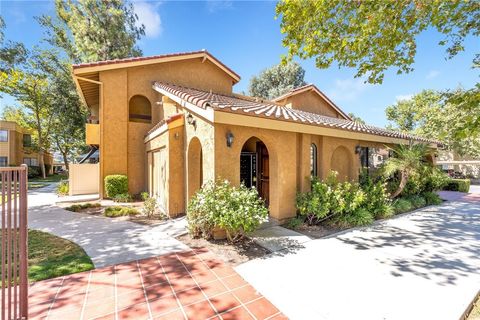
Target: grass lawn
{"x": 38, "y": 182}
{"x": 50, "y": 256}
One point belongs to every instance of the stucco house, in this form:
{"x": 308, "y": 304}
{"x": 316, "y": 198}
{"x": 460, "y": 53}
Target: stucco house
{"x": 172, "y": 122}
{"x": 16, "y": 147}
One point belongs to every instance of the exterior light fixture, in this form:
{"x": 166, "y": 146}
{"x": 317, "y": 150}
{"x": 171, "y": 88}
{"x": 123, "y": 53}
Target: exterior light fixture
{"x": 229, "y": 137}
{"x": 190, "y": 119}
{"x": 358, "y": 149}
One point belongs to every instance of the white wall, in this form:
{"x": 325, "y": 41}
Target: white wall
{"x": 84, "y": 178}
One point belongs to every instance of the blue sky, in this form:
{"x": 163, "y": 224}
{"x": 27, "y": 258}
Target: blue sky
{"x": 246, "y": 37}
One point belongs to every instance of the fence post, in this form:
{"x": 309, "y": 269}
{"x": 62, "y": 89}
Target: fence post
{"x": 23, "y": 242}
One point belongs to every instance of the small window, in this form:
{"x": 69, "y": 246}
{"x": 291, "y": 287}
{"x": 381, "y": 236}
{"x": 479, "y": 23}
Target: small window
{"x": 27, "y": 140}
{"x": 3, "y": 135}
{"x": 313, "y": 160}
{"x": 3, "y": 161}
{"x": 31, "y": 162}
{"x": 140, "y": 109}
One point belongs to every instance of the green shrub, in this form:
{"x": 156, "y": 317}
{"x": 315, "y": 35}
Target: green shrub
{"x": 78, "y": 207}
{"x": 119, "y": 211}
{"x": 432, "y": 198}
{"x": 144, "y": 195}
{"x": 62, "y": 188}
{"x": 116, "y": 184}
{"x": 359, "y": 217}
{"x": 150, "y": 206}
{"x": 237, "y": 210}
{"x": 402, "y": 205}
{"x": 377, "y": 198}
{"x": 426, "y": 180}
{"x": 122, "y": 197}
{"x": 294, "y": 223}
{"x": 34, "y": 172}
{"x": 462, "y": 185}
{"x": 417, "y": 201}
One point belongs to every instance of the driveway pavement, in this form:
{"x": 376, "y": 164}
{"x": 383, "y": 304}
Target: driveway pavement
{"x": 423, "y": 265}
{"x": 106, "y": 241}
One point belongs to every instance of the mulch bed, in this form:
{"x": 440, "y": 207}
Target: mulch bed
{"x": 317, "y": 231}
{"x": 232, "y": 254}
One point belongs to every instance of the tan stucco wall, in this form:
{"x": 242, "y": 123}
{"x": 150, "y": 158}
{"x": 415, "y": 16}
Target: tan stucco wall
{"x": 311, "y": 102}
{"x": 122, "y": 149}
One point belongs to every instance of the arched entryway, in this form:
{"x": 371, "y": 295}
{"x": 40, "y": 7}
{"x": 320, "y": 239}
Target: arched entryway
{"x": 195, "y": 167}
{"x": 255, "y": 167}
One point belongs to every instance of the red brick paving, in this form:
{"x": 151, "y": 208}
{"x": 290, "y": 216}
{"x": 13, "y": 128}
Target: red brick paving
{"x": 186, "y": 285}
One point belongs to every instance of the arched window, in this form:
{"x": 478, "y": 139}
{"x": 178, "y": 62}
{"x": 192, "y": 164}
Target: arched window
{"x": 313, "y": 160}
{"x": 139, "y": 109}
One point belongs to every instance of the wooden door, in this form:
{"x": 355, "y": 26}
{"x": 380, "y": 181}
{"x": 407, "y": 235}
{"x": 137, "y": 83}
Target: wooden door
{"x": 263, "y": 172}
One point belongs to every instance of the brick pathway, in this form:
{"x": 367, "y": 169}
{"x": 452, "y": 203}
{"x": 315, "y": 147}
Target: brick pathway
{"x": 186, "y": 285}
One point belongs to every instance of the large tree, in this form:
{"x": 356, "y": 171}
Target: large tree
{"x": 93, "y": 30}
{"x": 372, "y": 36}
{"x": 30, "y": 86}
{"x": 441, "y": 115}
{"x": 11, "y": 53}
{"x": 277, "y": 80}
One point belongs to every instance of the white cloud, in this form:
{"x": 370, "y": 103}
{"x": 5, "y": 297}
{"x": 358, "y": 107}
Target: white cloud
{"x": 217, "y": 5}
{"x": 349, "y": 89}
{"x": 432, "y": 74}
{"x": 148, "y": 16}
{"x": 401, "y": 97}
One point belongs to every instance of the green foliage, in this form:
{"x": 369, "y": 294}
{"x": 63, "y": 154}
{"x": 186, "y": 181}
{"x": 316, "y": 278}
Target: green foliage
{"x": 441, "y": 115}
{"x": 294, "y": 223}
{"x": 427, "y": 179}
{"x": 150, "y": 206}
{"x": 432, "y": 198}
{"x": 408, "y": 161}
{"x": 91, "y": 30}
{"x": 79, "y": 207}
{"x": 119, "y": 211}
{"x": 345, "y": 203}
{"x": 62, "y": 188}
{"x": 144, "y": 195}
{"x": 359, "y": 217}
{"x": 372, "y": 36}
{"x": 402, "y": 205}
{"x": 277, "y": 80}
{"x": 417, "y": 201}
{"x": 122, "y": 197}
{"x": 33, "y": 172}
{"x": 116, "y": 184}
{"x": 356, "y": 118}
{"x": 237, "y": 210}
{"x": 462, "y": 185}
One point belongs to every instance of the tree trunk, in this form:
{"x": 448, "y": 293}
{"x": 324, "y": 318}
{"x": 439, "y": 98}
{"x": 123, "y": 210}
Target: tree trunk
{"x": 65, "y": 160}
{"x": 401, "y": 186}
{"x": 41, "y": 163}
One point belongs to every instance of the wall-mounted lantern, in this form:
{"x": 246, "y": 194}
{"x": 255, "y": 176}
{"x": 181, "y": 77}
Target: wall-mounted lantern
{"x": 190, "y": 119}
{"x": 358, "y": 149}
{"x": 229, "y": 137}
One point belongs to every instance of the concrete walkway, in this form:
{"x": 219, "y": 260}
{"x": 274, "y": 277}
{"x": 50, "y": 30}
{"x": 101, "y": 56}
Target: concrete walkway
{"x": 106, "y": 241}
{"x": 423, "y": 265}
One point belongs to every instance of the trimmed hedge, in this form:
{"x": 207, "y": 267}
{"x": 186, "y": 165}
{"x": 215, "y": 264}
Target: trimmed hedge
{"x": 462, "y": 185}
{"x": 118, "y": 211}
{"x": 116, "y": 184}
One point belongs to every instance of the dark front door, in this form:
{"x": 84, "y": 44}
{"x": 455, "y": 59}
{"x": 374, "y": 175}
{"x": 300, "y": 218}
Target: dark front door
{"x": 263, "y": 175}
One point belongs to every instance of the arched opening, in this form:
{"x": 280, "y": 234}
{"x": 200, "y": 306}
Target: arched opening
{"x": 255, "y": 167}
{"x": 342, "y": 163}
{"x": 139, "y": 109}
{"x": 195, "y": 167}
{"x": 313, "y": 160}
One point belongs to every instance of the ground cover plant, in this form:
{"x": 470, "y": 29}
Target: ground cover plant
{"x": 79, "y": 207}
{"x": 119, "y": 211}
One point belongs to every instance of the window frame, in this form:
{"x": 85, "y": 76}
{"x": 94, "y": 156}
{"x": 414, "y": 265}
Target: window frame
{"x": 1, "y": 136}
{"x": 1, "y": 161}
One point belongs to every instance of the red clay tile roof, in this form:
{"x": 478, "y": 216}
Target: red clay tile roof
{"x": 136, "y": 59}
{"x": 266, "y": 109}
{"x": 320, "y": 92}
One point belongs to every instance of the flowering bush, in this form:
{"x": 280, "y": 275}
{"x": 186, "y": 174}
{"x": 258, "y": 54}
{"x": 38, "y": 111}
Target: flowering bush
{"x": 237, "y": 210}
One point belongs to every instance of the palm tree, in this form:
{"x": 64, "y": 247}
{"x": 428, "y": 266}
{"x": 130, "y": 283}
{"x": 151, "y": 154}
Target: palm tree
{"x": 407, "y": 160}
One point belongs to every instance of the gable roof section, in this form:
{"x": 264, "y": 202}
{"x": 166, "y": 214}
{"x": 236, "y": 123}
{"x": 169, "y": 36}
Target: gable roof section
{"x": 313, "y": 88}
{"x": 138, "y": 61}
{"x": 234, "y": 104}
